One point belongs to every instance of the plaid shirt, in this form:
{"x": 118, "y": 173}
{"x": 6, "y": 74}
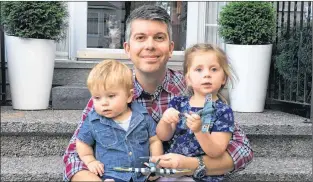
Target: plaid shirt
{"x": 172, "y": 85}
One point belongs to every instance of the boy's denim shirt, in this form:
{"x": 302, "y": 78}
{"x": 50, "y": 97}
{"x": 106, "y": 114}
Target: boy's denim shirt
{"x": 114, "y": 146}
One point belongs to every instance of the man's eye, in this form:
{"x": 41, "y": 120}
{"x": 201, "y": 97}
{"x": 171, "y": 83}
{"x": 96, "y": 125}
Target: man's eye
{"x": 160, "y": 38}
{"x": 140, "y": 38}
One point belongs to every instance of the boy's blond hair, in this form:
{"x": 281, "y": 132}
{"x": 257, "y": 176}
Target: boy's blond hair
{"x": 109, "y": 74}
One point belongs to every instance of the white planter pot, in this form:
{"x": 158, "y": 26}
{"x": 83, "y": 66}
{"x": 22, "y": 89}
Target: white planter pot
{"x": 251, "y": 64}
{"x": 30, "y": 71}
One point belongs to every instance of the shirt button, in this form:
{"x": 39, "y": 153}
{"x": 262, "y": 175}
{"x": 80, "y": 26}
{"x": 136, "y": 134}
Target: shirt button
{"x": 130, "y": 153}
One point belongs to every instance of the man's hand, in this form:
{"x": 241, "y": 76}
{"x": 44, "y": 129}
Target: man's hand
{"x": 193, "y": 122}
{"x": 170, "y": 116}
{"x": 169, "y": 160}
{"x": 153, "y": 178}
{"x": 96, "y": 167}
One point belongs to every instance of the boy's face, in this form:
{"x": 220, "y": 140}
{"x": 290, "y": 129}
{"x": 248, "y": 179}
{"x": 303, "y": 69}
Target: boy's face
{"x": 149, "y": 47}
{"x": 112, "y": 103}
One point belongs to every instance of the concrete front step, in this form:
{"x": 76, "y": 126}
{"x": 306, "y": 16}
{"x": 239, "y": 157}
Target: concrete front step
{"x": 46, "y": 145}
{"x": 24, "y": 145}
{"x": 67, "y": 72}
{"x": 275, "y": 169}
{"x": 69, "y": 97}
{"x": 29, "y": 168}
{"x": 47, "y": 132}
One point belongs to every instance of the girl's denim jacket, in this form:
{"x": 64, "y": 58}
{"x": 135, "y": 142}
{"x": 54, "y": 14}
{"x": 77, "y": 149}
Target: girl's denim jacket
{"x": 114, "y": 146}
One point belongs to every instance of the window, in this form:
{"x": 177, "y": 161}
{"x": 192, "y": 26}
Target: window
{"x": 62, "y": 47}
{"x": 96, "y": 29}
{"x": 93, "y": 24}
{"x": 211, "y": 23}
{"x": 111, "y": 18}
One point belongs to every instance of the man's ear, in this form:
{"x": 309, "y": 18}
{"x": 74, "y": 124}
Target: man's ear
{"x": 171, "y": 49}
{"x": 126, "y": 48}
{"x": 131, "y": 95}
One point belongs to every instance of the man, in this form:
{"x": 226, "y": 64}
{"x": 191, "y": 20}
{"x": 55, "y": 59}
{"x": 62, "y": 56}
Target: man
{"x": 149, "y": 46}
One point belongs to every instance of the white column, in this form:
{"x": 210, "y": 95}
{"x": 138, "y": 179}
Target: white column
{"x": 77, "y": 27}
{"x": 195, "y": 23}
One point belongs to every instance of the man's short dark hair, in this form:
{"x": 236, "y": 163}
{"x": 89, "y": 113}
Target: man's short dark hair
{"x": 148, "y": 12}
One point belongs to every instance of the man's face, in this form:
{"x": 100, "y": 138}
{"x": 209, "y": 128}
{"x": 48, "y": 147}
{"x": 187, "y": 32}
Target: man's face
{"x": 149, "y": 47}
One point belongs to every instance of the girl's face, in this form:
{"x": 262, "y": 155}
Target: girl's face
{"x": 205, "y": 75}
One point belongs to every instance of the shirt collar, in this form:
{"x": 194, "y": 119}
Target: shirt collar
{"x": 166, "y": 84}
{"x": 135, "y": 106}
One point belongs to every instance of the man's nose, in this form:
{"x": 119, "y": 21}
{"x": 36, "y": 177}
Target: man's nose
{"x": 150, "y": 43}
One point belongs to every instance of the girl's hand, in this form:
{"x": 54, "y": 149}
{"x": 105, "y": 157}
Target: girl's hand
{"x": 194, "y": 122}
{"x": 170, "y": 116}
{"x": 96, "y": 167}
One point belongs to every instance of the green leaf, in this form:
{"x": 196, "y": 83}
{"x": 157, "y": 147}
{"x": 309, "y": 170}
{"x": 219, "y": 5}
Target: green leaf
{"x": 247, "y": 23}
{"x": 34, "y": 19}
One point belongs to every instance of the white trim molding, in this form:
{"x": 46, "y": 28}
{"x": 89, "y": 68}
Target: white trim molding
{"x": 78, "y": 27}
{"x": 195, "y": 23}
{"x": 94, "y": 53}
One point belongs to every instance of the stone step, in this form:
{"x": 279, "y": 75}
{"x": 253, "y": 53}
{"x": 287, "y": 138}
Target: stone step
{"x": 69, "y": 97}
{"x": 67, "y": 72}
{"x": 50, "y": 168}
{"x": 46, "y": 145}
{"x": 28, "y": 168}
{"x": 76, "y": 96}
{"x": 275, "y": 169}
{"x": 47, "y": 132}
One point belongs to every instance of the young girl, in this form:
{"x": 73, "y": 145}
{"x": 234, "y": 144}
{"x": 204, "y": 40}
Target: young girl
{"x": 206, "y": 72}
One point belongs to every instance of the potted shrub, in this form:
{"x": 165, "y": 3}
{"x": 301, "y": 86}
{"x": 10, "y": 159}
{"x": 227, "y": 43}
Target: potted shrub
{"x": 248, "y": 29}
{"x": 32, "y": 29}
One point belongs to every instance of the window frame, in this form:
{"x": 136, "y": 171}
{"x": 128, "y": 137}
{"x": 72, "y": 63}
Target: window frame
{"x": 78, "y": 33}
{"x": 98, "y": 25}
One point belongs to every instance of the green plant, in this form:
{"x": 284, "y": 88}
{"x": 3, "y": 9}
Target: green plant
{"x": 247, "y": 23}
{"x": 294, "y": 51}
{"x": 292, "y": 57}
{"x": 34, "y": 19}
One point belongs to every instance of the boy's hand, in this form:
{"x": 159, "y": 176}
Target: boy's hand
{"x": 170, "y": 116}
{"x": 194, "y": 122}
{"x": 96, "y": 167}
